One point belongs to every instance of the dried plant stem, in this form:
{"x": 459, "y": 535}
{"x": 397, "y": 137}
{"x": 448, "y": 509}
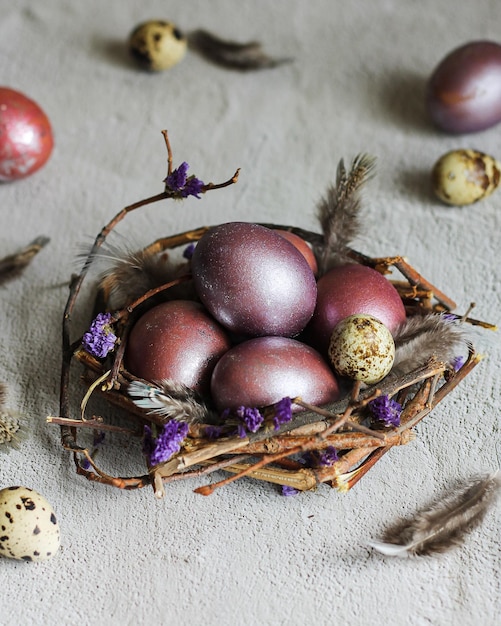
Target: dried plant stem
{"x": 94, "y": 423}
{"x": 415, "y": 279}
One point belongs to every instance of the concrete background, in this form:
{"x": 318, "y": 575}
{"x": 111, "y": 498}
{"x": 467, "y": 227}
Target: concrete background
{"x": 245, "y": 555}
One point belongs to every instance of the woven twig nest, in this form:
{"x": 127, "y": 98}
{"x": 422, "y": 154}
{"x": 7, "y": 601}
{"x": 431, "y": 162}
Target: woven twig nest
{"x": 335, "y": 443}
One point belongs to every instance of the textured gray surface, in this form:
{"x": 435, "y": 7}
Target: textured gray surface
{"x": 245, "y": 555}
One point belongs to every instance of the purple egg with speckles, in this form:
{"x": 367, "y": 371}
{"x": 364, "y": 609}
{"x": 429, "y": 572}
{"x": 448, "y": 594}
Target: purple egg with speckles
{"x": 348, "y": 290}
{"x": 176, "y": 340}
{"x": 253, "y": 281}
{"x": 263, "y": 370}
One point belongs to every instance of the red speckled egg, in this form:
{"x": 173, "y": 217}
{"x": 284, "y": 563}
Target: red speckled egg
{"x": 464, "y": 91}
{"x": 302, "y": 246}
{"x": 261, "y": 371}
{"x": 253, "y": 281}
{"x": 350, "y": 289}
{"x": 26, "y": 139}
{"x": 176, "y": 340}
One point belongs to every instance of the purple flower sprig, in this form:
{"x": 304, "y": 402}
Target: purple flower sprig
{"x": 249, "y": 420}
{"x": 386, "y": 410}
{"x": 283, "y": 412}
{"x": 100, "y": 339}
{"x": 320, "y": 458}
{"x": 180, "y": 185}
{"x": 289, "y": 491}
{"x": 162, "y": 448}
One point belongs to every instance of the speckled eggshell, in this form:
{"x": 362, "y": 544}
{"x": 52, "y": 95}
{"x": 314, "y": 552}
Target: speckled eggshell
{"x": 461, "y": 177}
{"x": 362, "y": 348}
{"x": 157, "y": 45}
{"x": 350, "y": 289}
{"x": 253, "y": 281}
{"x": 176, "y": 340}
{"x": 261, "y": 371}
{"x": 29, "y": 530}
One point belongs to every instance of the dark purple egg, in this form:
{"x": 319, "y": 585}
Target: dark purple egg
{"x": 176, "y": 340}
{"x": 464, "y": 91}
{"x": 302, "y": 246}
{"x": 348, "y": 290}
{"x": 253, "y": 281}
{"x": 262, "y": 371}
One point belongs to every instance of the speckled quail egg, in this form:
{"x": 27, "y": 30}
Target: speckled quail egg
{"x": 29, "y": 530}
{"x": 362, "y": 348}
{"x": 157, "y": 45}
{"x": 462, "y": 177}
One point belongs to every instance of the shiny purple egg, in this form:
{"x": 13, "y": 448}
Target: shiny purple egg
{"x": 263, "y": 370}
{"x": 176, "y": 340}
{"x": 464, "y": 91}
{"x": 253, "y": 281}
{"x": 348, "y": 290}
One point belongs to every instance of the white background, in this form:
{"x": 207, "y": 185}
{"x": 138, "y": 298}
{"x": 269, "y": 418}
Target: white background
{"x": 245, "y": 555}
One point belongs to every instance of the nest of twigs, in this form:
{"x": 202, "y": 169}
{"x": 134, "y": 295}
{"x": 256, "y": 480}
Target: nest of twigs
{"x": 335, "y": 444}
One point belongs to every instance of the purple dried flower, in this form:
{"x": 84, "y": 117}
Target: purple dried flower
{"x": 328, "y": 456}
{"x": 213, "y": 432}
{"x": 283, "y": 412}
{"x": 188, "y": 251}
{"x": 168, "y": 441}
{"x": 458, "y": 362}
{"x": 181, "y": 185}
{"x": 289, "y": 491}
{"x": 386, "y": 410}
{"x": 194, "y": 187}
{"x": 250, "y": 418}
{"x": 320, "y": 458}
{"x": 100, "y": 338}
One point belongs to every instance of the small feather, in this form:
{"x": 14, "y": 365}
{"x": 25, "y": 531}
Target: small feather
{"x": 13, "y": 265}
{"x": 169, "y": 399}
{"x": 231, "y": 54}
{"x": 128, "y": 274}
{"x": 339, "y": 210}
{"x": 423, "y": 337}
{"x": 444, "y": 524}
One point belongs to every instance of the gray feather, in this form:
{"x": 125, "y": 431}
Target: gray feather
{"x": 13, "y": 265}
{"x": 169, "y": 399}
{"x": 446, "y": 523}
{"x": 127, "y": 274}
{"x": 339, "y": 210}
{"x": 423, "y": 337}
{"x": 231, "y": 54}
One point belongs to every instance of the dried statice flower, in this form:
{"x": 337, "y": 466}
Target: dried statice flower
{"x": 100, "y": 338}
{"x": 283, "y": 412}
{"x": 181, "y": 185}
{"x": 250, "y": 420}
{"x": 289, "y": 491}
{"x": 167, "y": 443}
{"x": 212, "y": 431}
{"x": 188, "y": 251}
{"x": 386, "y": 410}
{"x": 327, "y": 457}
{"x": 320, "y": 458}
{"x": 458, "y": 362}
